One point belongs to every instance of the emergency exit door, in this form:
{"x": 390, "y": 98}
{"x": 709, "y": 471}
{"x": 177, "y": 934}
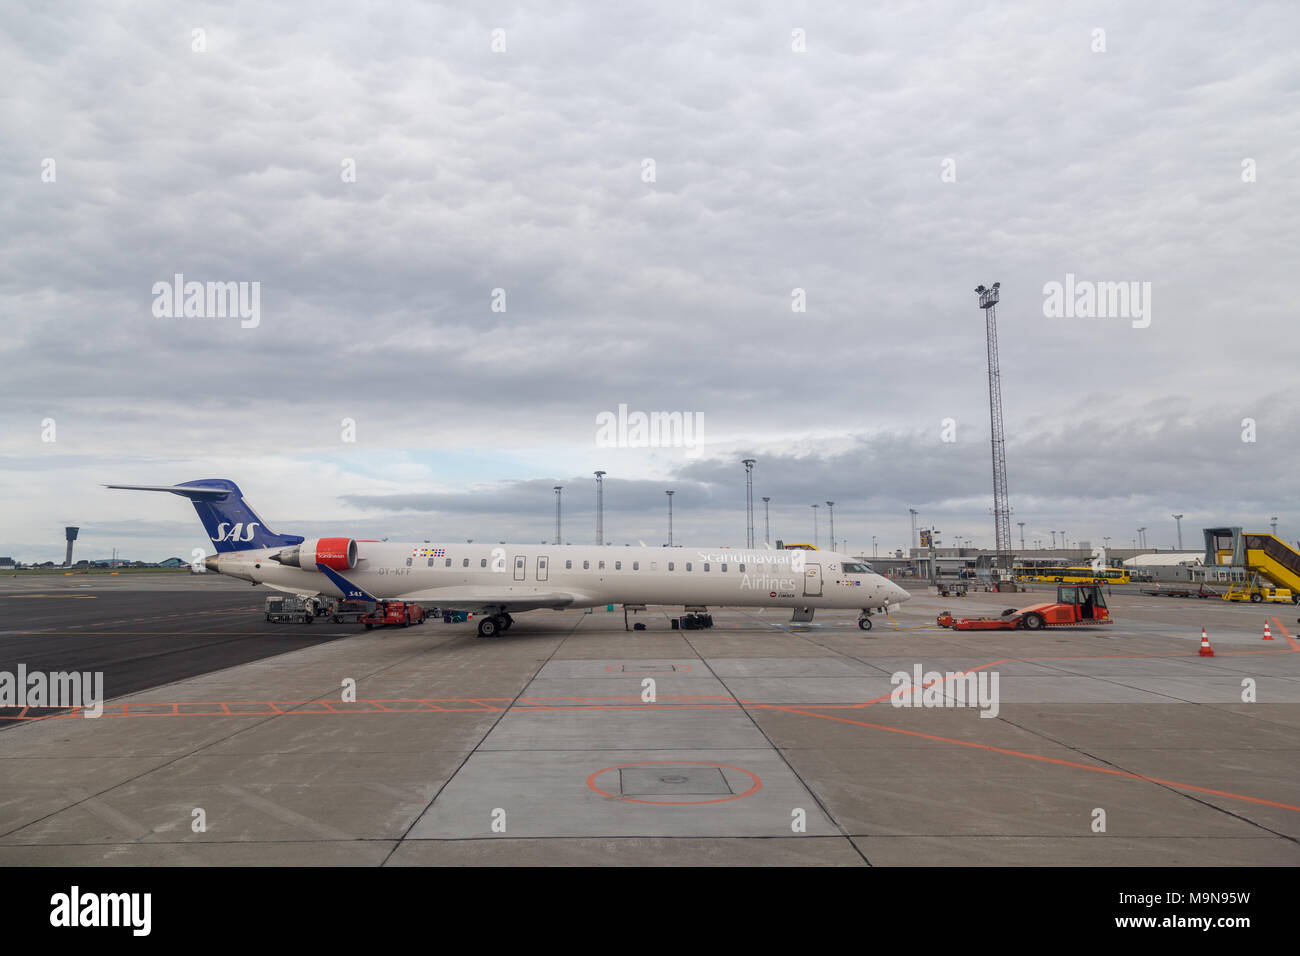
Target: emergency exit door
{"x": 541, "y": 568}
{"x": 521, "y": 567}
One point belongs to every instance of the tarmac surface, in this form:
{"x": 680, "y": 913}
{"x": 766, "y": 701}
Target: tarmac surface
{"x": 227, "y": 740}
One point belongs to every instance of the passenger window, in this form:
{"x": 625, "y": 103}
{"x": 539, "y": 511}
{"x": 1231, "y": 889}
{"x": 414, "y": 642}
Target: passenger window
{"x": 464, "y": 562}
{"x": 636, "y": 565}
{"x": 742, "y": 569}
{"x": 724, "y": 567}
{"x": 601, "y": 566}
{"x": 672, "y": 565}
{"x": 688, "y": 565}
{"x": 448, "y": 563}
{"x": 618, "y": 565}
{"x": 568, "y": 565}
{"x": 654, "y": 565}
{"x": 408, "y": 562}
{"x": 482, "y": 562}
{"x": 706, "y": 566}
{"x": 431, "y": 562}
{"x": 586, "y": 565}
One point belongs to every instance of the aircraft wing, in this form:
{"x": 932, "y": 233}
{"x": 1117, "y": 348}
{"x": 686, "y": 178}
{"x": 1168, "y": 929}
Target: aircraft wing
{"x": 468, "y": 598}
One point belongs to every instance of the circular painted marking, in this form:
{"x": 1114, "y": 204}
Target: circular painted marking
{"x": 758, "y": 783}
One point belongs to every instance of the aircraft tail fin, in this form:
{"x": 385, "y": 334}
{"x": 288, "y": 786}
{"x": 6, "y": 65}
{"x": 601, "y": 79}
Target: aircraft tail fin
{"x": 231, "y": 523}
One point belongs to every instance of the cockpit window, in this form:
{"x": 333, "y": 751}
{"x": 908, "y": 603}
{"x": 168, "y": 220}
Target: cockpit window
{"x": 853, "y": 567}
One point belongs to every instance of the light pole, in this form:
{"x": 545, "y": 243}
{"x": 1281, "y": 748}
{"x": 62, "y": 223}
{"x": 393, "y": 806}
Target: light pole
{"x": 830, "y": 506}
{"x": 558, "y": 536}
{"x": 749, "y": 502}
{"x": 670, "y": 518}
{"x": 767, "y": 523}
{"x": 814, "y": 508}
{"x": 1022, "y": 534}
{"x": 1273, "y": 521}
{"x": 1053, "y": 540}
{"x": 913, "y": 512}
{"x": 600, "y": 507}
{"x": 874, "y": 552}
{"x": 1178, "y": 520}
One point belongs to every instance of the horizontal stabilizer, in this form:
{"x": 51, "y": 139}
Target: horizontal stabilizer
{"x": 193, "y": 493}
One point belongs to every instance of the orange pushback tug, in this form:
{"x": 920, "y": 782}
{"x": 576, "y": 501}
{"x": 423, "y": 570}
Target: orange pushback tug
{"x": 1075, "y": 605}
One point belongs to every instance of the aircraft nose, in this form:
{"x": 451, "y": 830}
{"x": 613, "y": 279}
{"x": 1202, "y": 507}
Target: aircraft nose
{"x": 897, "y": 595}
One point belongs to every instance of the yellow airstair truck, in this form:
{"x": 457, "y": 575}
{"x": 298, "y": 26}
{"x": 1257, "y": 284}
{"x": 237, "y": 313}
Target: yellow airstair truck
{"x": 1264, "y": 556}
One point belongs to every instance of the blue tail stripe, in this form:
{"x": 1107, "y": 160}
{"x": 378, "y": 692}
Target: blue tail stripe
{"x": 350, "y": 591}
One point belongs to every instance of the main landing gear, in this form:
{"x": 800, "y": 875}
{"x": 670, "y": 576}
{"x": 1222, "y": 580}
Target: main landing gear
{"x": 494, "y": 624}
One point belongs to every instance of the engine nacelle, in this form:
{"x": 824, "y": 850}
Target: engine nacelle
{"x": 337, "y": 554}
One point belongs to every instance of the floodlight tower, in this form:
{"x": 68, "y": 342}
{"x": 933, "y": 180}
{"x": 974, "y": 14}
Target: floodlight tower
{"x": 830, "y": 506}
{"x": 559, "y": 539}
{"x": 1001, "y": 504}
{"x": 1178, "y": 520}
{"x": 767, "y": 522}
{"x": 600, "y": 507}
{"x": 815, "y": 542}
{"x": 913, "y": 512}
{"x": 670, "y": 518}
{"x": 749, "y": 502}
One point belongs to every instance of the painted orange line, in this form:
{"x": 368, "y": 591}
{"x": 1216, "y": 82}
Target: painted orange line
{"x": 1038, "y": 757}
{"x": 1287, "y": 634}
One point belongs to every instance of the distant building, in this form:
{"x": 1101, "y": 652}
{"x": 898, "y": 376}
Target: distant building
{"x": 7, "y": 564}
{"x": 1166, "y": 566}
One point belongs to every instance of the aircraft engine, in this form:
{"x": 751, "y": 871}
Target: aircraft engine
{"x": 337, "y": 554}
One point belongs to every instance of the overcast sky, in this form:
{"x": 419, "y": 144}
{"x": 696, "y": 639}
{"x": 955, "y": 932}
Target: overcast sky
{"x": 883, "y": 161}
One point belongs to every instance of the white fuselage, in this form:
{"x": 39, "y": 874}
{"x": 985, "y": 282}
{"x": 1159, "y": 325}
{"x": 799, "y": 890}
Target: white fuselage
{"x": 591, "y": 575}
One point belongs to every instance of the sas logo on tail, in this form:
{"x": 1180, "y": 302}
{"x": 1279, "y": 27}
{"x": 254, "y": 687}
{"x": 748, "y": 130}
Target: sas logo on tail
{"x": 236, "y": 532}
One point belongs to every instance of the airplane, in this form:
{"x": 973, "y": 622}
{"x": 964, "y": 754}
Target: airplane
{"x": 495, "y": 580}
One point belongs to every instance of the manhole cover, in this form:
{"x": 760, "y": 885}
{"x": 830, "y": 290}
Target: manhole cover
{"x": 677, "y": 781}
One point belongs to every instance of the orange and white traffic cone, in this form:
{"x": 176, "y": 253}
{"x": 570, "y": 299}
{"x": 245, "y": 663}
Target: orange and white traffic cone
{"x": 1268, "y": 635}
{"x": 1206, "y": 649}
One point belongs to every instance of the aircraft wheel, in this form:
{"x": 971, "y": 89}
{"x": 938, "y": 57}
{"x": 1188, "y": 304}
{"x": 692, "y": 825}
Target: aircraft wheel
{"x": 507, "y": 622}
{"x": 1033, "y": 622}
{"x": 864, "y": 623}
{"x": 488, "y": 627}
